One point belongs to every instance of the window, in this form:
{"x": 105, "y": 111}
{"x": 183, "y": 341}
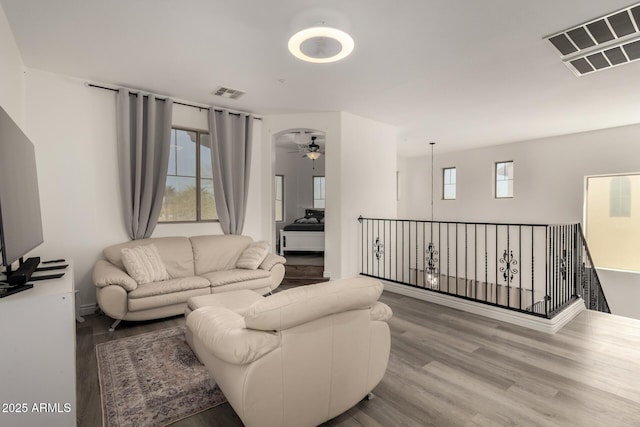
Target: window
{"x": 279, "y": 198}
{"x": 449, "y": 183}
{"x": 504, "y": 180}
{"x": 188, "y": 195}
{"x": 620, "y": 196}
{"x": 612, "y": 221}
{"x": 318, "y": 192}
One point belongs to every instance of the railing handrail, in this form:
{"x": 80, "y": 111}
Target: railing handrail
{"x": 361, "y": 218}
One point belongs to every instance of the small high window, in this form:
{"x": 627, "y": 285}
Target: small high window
{"x": 504, "y": 180}
{"x": 449, "y": 183}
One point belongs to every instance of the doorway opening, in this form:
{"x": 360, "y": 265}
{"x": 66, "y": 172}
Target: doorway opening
{"x": 299, "y": 203}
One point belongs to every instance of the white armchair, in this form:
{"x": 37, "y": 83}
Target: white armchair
{"x": 296, "y": 358}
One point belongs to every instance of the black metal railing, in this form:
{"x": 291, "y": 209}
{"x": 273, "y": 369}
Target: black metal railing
{"x": 590, "y": 288}
{"x": 533, "y": 268}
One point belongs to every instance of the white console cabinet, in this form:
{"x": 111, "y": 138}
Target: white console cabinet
{"x": 38, "y": 355}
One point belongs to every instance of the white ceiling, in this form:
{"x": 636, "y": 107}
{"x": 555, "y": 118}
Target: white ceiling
{"x": 463, "y": 73}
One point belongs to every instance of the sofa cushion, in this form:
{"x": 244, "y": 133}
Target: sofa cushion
{"x": 305, "y": 303}
{"x": 253, "y": 255}
{"x": 217, "y": 252}
{"x": 143, "y": 264}
{"x": 162, "y": 301}
{"x": 227, "y": 277}
{"x": 168, "y": 287}
{"x": 234, "y": 301}
{"x": 176, "y": 253}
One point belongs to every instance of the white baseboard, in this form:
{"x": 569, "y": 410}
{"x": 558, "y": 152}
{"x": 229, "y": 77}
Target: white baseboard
{"x": 550, "y": 326}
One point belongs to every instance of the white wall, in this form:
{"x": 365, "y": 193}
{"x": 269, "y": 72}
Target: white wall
{"x": 12, "y": 80}
{"x": 622, "y": 290}
{"x": 368, "y": 155}
{"x": 73, "y": 129}
{"x": 549, "y": 179}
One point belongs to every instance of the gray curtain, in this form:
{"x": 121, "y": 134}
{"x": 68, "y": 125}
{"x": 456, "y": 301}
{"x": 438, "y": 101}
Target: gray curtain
{"x": 230, "y": 136}
{"x": 144, "y": 137}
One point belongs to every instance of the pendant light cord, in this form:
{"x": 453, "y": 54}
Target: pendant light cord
{"x": 432, "y": 144}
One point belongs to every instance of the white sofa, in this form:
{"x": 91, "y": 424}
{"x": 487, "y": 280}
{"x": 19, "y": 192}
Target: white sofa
{"x": 296, "y": 358}
{"x": 199, "y": 265}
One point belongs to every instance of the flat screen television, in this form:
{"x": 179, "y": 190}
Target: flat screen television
{"x": 20, "y": 217}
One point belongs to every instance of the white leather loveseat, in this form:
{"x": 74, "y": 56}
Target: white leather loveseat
{"x": 178, "y": 268}
{"x": 296, "y": 358}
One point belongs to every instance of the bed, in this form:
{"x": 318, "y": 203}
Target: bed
{"x": 304, "y": 234}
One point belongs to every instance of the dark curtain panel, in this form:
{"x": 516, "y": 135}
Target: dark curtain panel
{"x": 230, "y": 136}
{"x": 144, "y": 137}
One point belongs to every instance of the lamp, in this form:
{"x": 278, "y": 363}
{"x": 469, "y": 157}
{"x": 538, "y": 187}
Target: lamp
{"x": 321, "y": 44}
{"x": 313, "y": 155}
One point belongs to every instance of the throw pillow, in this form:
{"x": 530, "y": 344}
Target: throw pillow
{"x": 144, "y": 265}
{"x": 253, "y": 255}
{"x": 307, "y": 220}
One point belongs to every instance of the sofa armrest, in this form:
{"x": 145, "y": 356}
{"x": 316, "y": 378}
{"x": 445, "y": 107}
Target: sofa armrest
{"x": 380, "y": 311}
{"x": 105, "y": 274}
{"x": 223, "y": 333}
{"x": 271, "y": 260}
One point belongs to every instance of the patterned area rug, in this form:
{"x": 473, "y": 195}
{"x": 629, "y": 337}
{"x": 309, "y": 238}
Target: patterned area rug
{"x": 152, "y": 379}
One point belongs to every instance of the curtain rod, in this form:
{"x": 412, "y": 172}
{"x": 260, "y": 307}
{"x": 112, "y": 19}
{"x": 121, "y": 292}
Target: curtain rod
{"x": 163, "y": 99}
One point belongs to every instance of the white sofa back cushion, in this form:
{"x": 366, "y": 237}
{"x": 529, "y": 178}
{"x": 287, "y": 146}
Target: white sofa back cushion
{"x": 305, "y": 303}
{"x": 218, "y": 252}
{"x": 176, "y": 253}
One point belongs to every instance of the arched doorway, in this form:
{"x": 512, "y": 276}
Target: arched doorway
{"x": 299, "y": 201}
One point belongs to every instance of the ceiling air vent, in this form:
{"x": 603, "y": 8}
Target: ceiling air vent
{"x": 225, "y": 92}
{"x": 602, "y": 43}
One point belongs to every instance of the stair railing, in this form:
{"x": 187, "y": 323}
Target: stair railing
{"x": 589, "y": 285}
{"x": 537, "y": 269}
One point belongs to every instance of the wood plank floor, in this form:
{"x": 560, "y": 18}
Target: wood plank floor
{"x": 451, "y": 368}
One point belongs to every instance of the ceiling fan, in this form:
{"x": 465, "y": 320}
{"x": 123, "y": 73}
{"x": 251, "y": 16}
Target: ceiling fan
{"x": 313, "y": 151}
{"x": 309, "y": 150}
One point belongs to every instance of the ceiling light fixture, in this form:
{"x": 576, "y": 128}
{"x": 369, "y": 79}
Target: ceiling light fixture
{"x": 321, "y": 44}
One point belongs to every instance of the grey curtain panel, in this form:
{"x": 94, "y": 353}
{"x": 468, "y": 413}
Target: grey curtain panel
{"x": 230, "y": 137}
{"x": 144, "y": 137}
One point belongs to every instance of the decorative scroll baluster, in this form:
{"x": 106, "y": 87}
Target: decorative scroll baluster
{"x": 508, "y": 270}
{"x": 378, "y": 248}
{"x": 563, "y": 265}
{"x": 431, "y": 272}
